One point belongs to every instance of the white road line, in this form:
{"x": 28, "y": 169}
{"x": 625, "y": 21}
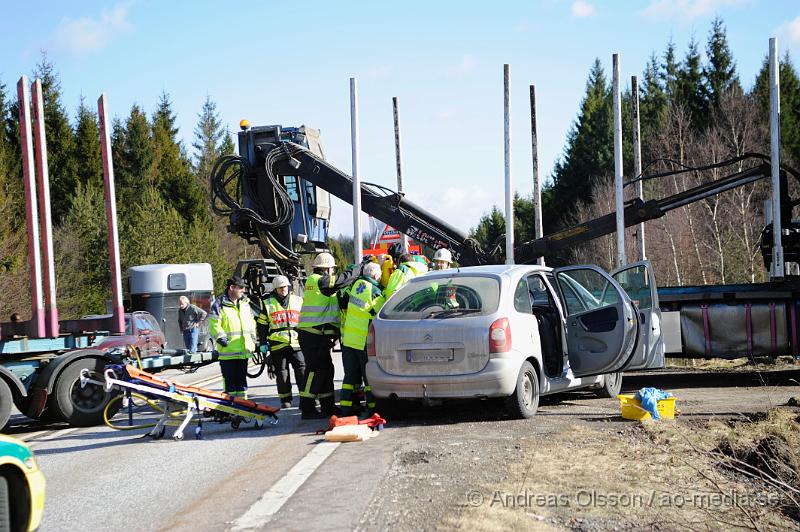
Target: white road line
{"x": 274, "y": 498}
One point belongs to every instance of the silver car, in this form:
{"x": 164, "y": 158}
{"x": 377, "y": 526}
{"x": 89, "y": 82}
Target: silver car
{"x": 515, "y": 331}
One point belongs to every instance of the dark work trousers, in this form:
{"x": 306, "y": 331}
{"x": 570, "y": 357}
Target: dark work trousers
{"x": 283, "y": 358}
{"x": 355, "y": 365}
{"x": 234, "y": 376}
{"x": 316, "y": 350}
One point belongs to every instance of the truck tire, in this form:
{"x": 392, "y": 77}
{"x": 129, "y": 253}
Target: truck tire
{"x": 82, "y": 407}
{"x": 523, "y": 403}
{"x": 612, "y": 385}
{"x": 6, "y": 400}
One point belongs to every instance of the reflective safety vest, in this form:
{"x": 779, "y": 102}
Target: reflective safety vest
{"x": 235, "y": 322}
{"x": 402, "y": 275}
{"x": 282, "y": 322}
{"x": 318, "y": 309}
{"x": 366, "y": 300}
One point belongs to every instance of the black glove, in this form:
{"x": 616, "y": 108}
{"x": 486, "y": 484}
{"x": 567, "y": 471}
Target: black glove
{"x": 270, "y": 366}
{"x": 223, "y": 342}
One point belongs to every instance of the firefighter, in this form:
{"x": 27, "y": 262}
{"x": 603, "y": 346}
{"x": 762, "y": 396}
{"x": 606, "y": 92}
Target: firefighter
{"x": 442, "y": 259}
{"x": 366, "y": 299}
{"x": 277, "y": 325}
{"x": 407, "y": 270}
{"x": 317, "y": 331}
{"x": 233, "y": 329}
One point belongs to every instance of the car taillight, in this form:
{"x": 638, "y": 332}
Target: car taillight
{"x": 371, "y": 341}
{"x": 500, "y": 336}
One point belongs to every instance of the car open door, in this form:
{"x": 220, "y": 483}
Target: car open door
{"x": 601, "y": 327}
{"x": 638, "y": 281}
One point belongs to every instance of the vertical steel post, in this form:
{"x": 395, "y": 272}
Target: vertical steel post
{"x": 37, "y": 324}
{"x": 775, "y": 156}
{"x": 637, "y": 158}
{"x": 537, "y": 184}
{"x": 396, "y": 113}
{"x": 618, "y": 198}
{"x": 507, "y": 154}
{"x": 357, "y": 246}
{"x": 111, "y": 216}
{"x": 43, "y": 186}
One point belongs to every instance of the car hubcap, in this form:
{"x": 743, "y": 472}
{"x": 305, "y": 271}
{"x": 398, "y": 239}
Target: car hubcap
{"x": 527, "y": 390}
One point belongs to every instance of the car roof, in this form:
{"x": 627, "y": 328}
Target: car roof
{"x": 493, "y": 269}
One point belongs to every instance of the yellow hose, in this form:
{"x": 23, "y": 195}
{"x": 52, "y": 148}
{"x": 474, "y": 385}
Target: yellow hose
{"x": 152, "y": 404}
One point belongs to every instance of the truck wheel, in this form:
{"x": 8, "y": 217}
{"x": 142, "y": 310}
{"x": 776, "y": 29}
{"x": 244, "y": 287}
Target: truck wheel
{"x": 523, "y": 403}
{"x": 612, "y": 385}
{"x": 6, "y": 400}
{"x": 82, "y": 407}
{"x": 5, "y": 505}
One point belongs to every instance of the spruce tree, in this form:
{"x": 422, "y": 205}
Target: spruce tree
{"x": 227, "y": 147}
{"x": 87, "y": 147}
{"x": 172, "y": 169}
{"x": 652, "y": 98}
{"x": 60, "y": 142}
{"x": 209, "y": 137}
{"x": 589, "y": 155}
{"x": 136, "y": 163}
{"x": 720, "y": 72}
{"x": 790, "y": 104}
{"x": 690, "y": 91}
{"x": 669, "y": 71}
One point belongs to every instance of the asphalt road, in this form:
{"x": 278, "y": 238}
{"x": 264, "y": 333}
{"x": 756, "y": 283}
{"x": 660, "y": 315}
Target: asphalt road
{"x": 414, "y": 475}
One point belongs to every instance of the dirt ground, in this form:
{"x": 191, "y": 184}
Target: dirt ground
{"x": 729, "y": 460}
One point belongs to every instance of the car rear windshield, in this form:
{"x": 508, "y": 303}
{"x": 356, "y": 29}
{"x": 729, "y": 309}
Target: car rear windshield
{"x": 444, "y": 297}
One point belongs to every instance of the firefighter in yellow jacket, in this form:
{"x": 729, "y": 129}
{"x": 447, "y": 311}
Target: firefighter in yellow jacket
{"x": 233, "y": 328}
{"x": 318, "y": 330}
{"x": 366, "y": 299}
{"x": 277, "y": 325}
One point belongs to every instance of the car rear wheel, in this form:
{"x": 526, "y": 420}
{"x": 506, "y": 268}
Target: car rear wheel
{"x": 82, "y": 407}
{"x": 612, "y": 385}
{"x": 6, "y": 400}
{"x": 15, "y": 500}
{"x": 523, "y": 403}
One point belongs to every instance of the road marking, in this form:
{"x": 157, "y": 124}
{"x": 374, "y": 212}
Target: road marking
{"x": 274, "y": 498}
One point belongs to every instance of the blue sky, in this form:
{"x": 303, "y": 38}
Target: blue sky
{"x": 290, "y": 62}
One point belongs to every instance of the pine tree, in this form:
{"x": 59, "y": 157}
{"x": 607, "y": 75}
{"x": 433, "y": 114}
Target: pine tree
{"x": 689, "y": 87}
{"x": 60, "y": 142}
{"x": 720, "y": 73}
{"x": 209, "y": 137}
{"x": 87, "y": 147}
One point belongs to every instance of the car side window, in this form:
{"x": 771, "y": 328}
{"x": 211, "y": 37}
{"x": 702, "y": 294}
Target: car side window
{"x": 152, "y": 325}
{"x": 586, "y": 289}
{"x": 540, "y": 296}
{"x": 522, "y": 301}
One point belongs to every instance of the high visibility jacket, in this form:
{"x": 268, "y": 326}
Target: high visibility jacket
{"x": 320, "y": 313}
{"x": 235, "y": 322}
{"x": 282, "y": 322}
{"x": 366, "y": 299}
{"x": 402, "y": 275}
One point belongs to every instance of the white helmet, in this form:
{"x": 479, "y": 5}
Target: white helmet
{"x": 443, "y": 255}
{"x": 279, "y": 281}
{"x": 324, "y": 260}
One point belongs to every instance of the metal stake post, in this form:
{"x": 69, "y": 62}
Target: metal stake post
{"x": 507, "y": 153}
{"x": 396, "y": 112}
{"x": 619, "y": 203}
{"x": 537, "y": 185}
{"x": 637, "y": 158}
{"x": 775, "y": 156}
{"x": 357, "y": 247}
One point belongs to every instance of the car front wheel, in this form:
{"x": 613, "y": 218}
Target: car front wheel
{"x": 612, "y": 384}
{"x": 523, "y": 403}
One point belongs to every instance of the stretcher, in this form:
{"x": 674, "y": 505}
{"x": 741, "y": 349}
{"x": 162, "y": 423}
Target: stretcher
{"x": 185, "y": 402}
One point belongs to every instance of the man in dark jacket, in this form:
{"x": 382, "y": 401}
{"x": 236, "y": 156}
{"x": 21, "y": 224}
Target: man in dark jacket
{"x": 190, "y": 317}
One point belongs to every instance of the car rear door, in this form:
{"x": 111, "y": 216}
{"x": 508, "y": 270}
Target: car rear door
{"x": 602, "y": 327}
{"x": 638, "y": 281}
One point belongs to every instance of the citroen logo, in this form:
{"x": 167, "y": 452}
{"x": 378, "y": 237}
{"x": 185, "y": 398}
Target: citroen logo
{"x": 428, "y": 338}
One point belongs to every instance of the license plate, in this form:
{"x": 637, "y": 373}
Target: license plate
{"x": 430, "y": 355}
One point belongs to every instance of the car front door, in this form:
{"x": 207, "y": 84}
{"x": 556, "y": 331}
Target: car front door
{"x": 639, "y": 283}
{"x": 602, "y": 326}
